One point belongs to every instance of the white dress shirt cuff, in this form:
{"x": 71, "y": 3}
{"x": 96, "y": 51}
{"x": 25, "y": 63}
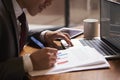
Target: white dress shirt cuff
{"x": 28, "y": 66}
{"x": 42, "y": 35}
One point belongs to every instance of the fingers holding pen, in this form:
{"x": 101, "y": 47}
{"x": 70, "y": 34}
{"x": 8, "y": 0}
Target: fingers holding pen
{"x": 52, "y": 57}
{"x": 52, "y": 60}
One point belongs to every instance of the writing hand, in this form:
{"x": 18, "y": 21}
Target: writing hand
{"x": 44, "y": 58}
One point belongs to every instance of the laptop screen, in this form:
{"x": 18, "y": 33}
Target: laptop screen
{"x": 110, "y": 21}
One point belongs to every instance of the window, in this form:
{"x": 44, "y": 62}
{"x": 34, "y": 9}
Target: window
{"x": 82, "y": 9}
{"x": 62, "y": 12}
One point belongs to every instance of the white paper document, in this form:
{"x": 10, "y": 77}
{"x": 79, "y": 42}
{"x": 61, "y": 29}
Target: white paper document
{"x": 74, "y": 59}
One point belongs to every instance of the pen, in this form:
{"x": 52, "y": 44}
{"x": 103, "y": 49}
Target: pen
{"x": 40, "y": 44}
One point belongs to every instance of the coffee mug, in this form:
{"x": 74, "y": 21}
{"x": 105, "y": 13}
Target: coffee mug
{"x": 90, "y": 28}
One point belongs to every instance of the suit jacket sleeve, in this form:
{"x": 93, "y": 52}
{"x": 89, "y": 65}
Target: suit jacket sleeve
{"x": 12, "y": 69}
{"x": 11, "y": 66}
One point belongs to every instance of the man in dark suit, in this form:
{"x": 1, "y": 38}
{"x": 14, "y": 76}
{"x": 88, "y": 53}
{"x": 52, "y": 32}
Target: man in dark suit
{"x": 12, "y": 66}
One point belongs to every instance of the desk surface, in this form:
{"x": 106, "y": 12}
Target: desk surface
{"x": 101, "y": 74}
{"x": 113, "y": 73}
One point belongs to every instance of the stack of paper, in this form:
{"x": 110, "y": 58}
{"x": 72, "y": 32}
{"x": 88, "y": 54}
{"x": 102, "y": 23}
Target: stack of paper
{"x": 74, "y": 59}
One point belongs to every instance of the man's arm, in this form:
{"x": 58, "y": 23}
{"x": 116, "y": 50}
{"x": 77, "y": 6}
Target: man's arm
{"x": 12, "y": 69}
{"x": 11, "y": 66}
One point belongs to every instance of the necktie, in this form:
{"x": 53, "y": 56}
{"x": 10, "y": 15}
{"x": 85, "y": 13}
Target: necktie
{"x": 22, "y": 19}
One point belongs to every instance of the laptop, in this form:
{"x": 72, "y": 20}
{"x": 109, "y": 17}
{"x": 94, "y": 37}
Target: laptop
{"x": 108, "y": 44}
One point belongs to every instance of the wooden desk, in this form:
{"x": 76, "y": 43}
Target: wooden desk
{"x": 113, "y": 73}
{"x": 102, "y": 74}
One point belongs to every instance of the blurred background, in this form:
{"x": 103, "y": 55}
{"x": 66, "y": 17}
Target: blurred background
{"x": 70, "y": 12}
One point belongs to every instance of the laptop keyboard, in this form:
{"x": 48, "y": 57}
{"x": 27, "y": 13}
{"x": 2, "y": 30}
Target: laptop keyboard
{"x": 100, "y": 46}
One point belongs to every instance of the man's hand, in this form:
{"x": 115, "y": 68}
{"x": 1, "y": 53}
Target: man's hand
{"x": 51, "y": 36}
{"x": 44, "y": 58}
